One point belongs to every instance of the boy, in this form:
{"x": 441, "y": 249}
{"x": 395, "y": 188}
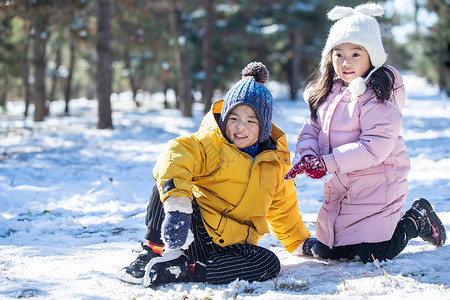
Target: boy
{"x": 216, "y": 189}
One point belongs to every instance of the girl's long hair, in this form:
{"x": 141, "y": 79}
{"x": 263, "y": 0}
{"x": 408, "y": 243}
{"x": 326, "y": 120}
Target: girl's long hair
{"x": 382, "y": 83}
{"x": 320, "y": 87}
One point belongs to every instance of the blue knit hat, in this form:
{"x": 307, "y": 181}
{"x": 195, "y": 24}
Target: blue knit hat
{"x": 250, "y": 90}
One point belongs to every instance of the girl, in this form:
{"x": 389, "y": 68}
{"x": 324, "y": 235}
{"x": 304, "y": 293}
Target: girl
{"x": 352, "y": 142}
{"x": 223, "y": 184}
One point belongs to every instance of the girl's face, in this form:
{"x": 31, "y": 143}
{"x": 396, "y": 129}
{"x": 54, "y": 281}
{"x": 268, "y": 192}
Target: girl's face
{"x": 242, "y": 126}
{"x": 350, "y": 61}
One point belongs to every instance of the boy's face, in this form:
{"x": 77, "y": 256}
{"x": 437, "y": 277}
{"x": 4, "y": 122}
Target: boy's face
{"x": 242, "y": 126}
{"x": 350, "y": 61}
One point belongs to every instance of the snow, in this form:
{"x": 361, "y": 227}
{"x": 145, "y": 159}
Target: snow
{"x": 73, "y": 200}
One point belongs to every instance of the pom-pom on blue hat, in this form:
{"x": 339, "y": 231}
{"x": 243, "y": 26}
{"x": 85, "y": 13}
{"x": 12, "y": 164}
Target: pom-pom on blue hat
{"x": 250, "y": 90}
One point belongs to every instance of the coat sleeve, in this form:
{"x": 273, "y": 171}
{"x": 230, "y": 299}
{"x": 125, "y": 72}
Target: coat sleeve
{"x": 380, "y": 128}
{"x": 307, "y": 142}
{"x": 175, "y": 168}
{"x": 284, "y": 217}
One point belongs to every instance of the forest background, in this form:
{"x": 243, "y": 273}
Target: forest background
{"x": 52, "y": 50}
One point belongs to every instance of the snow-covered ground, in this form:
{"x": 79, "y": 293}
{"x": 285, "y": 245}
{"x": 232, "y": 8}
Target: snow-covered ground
{"x": 72, "y": 203}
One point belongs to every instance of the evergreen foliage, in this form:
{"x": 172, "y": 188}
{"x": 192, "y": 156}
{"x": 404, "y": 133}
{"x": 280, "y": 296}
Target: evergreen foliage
{"x": 430, "y": 46}
{"x": 147, "y": 51}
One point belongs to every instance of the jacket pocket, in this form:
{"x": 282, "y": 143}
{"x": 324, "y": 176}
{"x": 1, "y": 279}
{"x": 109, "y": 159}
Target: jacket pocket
{"x": 261, "y": 225}
{"x": 369, "y": 188}
{"x": 336, "y": 187}
{"x": 232, "y": 232}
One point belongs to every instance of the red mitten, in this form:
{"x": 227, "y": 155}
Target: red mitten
{"x": 294, "y": 171}
{"x": 315, "y": 167}
{"x": 297, "y": 169}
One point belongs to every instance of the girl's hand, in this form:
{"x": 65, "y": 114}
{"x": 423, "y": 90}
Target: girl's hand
{"x": 299, "y": 159}
{"x": 294, "y": 171}
{"x": 298, "y": 168}
{"x": 315, "y": 167}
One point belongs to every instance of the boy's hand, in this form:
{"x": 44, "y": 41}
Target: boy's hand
{"x": 175, "y": 232}
{"x": 309, "y": 246}
{"x": 175, "y": 228}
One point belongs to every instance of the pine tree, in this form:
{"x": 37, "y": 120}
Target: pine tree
{"x": 430, "y": 47}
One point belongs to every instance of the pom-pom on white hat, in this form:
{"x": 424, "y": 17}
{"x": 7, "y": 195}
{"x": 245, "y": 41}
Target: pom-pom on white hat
{"x": 357, "y": 26}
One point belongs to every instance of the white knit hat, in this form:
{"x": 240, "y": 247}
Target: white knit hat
{"x": 356, "y": 26}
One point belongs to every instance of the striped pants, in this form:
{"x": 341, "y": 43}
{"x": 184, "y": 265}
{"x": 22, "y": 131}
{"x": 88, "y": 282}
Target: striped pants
{"x": 213, "y": 263}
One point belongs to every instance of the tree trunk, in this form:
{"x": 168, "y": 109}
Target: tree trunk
{"x": 207, "y": 58}
{"x": 131, "y": 76}
{"x": 134, "y": 90}
{"x": 182, "y": 62}
{"x": 4, "y": 93}
{"x": 104, "y": 65}
{"x": 442, "y": 80}
{"x": 39, "y": 63}
{"x": 295, "y": 67}
{"x": 166, "y": 101}
{"x": 68, "y": 87}
{"x": 25, "y": 76}
{"x": 55, "y": 74}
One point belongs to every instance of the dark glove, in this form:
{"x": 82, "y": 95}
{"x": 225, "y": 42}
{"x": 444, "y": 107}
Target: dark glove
{"x": 175, "y": 228}
{"x": 309, "y": 246}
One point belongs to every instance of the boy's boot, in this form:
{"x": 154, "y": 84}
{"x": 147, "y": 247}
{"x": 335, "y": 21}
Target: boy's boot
{"x": 430, "y": 227}
{"x": 171, "y": 267}
{"x": 134, "y": 273}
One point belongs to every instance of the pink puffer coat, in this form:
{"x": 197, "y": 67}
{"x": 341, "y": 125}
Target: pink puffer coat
{"x": 360, "y": 143}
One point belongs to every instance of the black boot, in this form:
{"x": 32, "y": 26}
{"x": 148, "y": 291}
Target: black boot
{"x": 134, "y": 273}
{"x": 430, "y": 227}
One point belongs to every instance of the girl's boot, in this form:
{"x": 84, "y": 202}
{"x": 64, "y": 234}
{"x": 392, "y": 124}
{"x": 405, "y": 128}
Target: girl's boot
{"x": 429, "y": 226}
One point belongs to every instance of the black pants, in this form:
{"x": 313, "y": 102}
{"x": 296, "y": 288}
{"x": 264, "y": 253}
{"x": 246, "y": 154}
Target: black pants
{"x": 217, "y": 264}
{"x": 404, "y": 231}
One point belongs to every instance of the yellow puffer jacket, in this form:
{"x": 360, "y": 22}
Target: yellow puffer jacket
{"x": 236, "y": 195}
